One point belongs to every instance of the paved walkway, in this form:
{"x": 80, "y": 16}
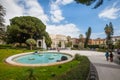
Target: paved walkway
{"x": 106, "y": 70}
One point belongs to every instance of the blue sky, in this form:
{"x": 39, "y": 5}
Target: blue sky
{"x": 66, "y": 16}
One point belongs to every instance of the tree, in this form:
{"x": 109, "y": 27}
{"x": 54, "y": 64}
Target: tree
{"x": 31, "y": 42}
{"x": 69, "y": 43}
{"x": 48, "y": 40}
{"x": 2, "y": 14}
{"x": 2, "y": 26}
{"x": 25, "y": 27}
{"x": 81, "y": 42}
{"x": 89, "y": 2}
{"x": 109, "y": 32}
{"x": 117, "y": 44}
{"x": 88, "y": 33}
{"x": 81, "y": 38}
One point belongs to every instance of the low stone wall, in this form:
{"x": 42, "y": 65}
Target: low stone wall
{"x": 93, "y": 75}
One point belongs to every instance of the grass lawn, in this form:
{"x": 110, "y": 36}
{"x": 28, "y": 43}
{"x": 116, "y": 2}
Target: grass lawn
{"x": 9, "y": 72}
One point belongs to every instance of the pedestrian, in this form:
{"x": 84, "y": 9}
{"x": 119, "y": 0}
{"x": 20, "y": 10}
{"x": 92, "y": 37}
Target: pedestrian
{"x": 58, "y": 49}
{"x": 118, "y": 51}
{"x": 111, "y": 56}
{"x": 107, "y": 55}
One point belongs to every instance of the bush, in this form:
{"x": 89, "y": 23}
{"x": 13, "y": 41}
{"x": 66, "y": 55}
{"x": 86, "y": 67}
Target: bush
{"x": 80, "y": 72}
{"x": 5, "y": 46}
{"x": 93, "y": 46}
{"x": 77, "y": 57}
{"x": 75, "y": 46}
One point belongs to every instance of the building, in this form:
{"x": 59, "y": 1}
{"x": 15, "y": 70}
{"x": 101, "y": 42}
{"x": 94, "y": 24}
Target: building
{"x": 74, "y": 41}
{"x": 98, "y": 41}
{"x": 56, "y": 39}
{"x": 115, "y": 38}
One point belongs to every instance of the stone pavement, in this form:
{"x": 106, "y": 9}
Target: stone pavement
{"x": 106, "y": 70}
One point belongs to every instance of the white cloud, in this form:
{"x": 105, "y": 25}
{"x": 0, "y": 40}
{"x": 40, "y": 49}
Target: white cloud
{"x": 66, "y": 29}
{"x": 65, "y": 2}
{"x": 117, "y": 31}
{"x": 57, "y": 15}
{"x": 103, "y": 35}
{"x": 12, "y": 9}
{"x": 98, "y": 35}
{"x": 112, "y": 12}
{"x": 35, "y": 9}
{"x": 18, "y": 8}
{"x": 56, "y": 12}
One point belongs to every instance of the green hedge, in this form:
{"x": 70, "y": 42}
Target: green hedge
{"x": 5, "y": 46}
{"x": 80, "y": 72}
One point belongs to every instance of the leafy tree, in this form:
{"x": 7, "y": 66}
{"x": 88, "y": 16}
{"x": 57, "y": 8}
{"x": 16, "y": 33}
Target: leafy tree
{"x": 117, "y": 44}
{"x": 89, "y": 2}
{"x": 69, "y": 43}
{"x": 81, "y": 37}
{"x": 31, "y": 42}
{"x": 109, "y": 32}
{"x": 25, "y": 27}
{"x": 88, "y": 33}
{"x": 81, "y": 42}
{"x": 48, "y": 40}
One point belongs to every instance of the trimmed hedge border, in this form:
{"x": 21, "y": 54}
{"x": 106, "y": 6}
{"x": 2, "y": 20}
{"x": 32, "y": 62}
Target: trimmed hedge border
{"x": 80, "y": 72}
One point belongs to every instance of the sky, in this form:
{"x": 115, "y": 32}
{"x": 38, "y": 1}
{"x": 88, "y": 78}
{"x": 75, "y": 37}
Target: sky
{"x": 67, "y": 17}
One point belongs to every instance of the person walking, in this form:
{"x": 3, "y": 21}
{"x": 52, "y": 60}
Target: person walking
{"x": 107, "y": 55}
{"x": 111, "y": 56}
{"x": 118, "y": 51}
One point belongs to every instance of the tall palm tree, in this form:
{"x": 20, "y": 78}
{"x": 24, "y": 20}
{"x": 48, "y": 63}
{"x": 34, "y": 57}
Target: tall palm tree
{"x": 2, "y": 31}
{"x": 2, "y": 14}
{"x": 109, "y": 32}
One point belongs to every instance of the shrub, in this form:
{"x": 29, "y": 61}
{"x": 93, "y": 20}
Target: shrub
{"x": 77, "y": 57}
{"x": 16, "y": 44}
{"x": 80, "y": 72}
{"x": 5, "y": 46}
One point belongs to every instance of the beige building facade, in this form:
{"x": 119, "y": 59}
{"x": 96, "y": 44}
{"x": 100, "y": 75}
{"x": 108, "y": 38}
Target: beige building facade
{"x": 56, "y": 39}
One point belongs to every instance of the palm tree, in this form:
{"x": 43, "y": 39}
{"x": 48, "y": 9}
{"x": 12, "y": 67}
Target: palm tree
{"x": 109, "y": 32}
{"x": 2, "y": 14}
{"x": 2, "y": 31}
{"x": 31, "y": 42}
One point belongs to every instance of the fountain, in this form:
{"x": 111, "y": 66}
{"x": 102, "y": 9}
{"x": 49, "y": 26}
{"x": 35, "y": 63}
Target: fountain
{"x": 38, "y": 59}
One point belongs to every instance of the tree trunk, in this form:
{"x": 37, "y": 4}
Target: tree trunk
{"x": 30, "y": 47}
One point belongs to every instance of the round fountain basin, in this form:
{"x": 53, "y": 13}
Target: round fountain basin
{"x": 38, "y": 59}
